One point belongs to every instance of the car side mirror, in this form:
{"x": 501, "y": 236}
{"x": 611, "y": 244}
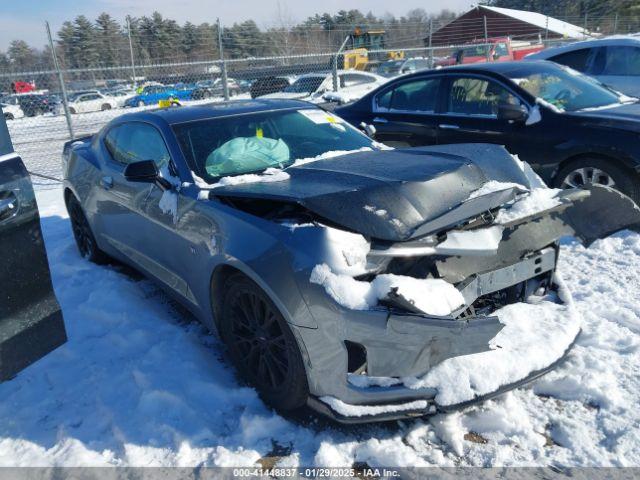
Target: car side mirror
{"x": 145, "y": 171}
{"x": 512, "y": 113}
{"x": 368, "y": 129}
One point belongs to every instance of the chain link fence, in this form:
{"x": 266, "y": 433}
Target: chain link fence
{"x": 74, "y": 93}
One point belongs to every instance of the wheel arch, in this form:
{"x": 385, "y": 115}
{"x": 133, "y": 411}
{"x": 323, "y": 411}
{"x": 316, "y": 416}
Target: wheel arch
{"x": 626, "y": 163}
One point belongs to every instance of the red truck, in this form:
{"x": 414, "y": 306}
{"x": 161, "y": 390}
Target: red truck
{"x": 22, "y": 87}
{"x": 500, "y": 49}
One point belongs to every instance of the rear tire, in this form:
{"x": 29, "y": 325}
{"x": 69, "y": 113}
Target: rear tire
{"x": 8, "y": 116}
{"x": 598, "y": 171}
{"x": 261, "y": 344}
{"x": 141, "y": 103}
{"x": 106, "y": 106}
{"x": 72, "y": 110}
{"x": 85, "y": 240}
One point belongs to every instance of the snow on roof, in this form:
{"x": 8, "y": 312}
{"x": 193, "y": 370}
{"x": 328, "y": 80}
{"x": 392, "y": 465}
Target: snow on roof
{"x": 539, "y": 20}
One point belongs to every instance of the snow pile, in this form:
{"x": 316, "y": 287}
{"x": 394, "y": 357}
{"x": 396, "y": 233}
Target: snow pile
{"x": 433, "y": 296}
{"x": 494, "y": 186}
{"x": 269, "y": 175}
{"x": 534, "y": 336}
{"x": 169, "y": 204}
{"x": 481, "y": 241}
{"x": 349, "y": 410}
{"x": 537, "y": 200}
{"x": 347, "y": 252}
{"x": 330, "y": 154}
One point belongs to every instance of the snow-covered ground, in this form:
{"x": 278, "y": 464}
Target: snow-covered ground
{"x": 141, "y": 383}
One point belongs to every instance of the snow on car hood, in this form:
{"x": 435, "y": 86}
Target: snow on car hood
{"x": 419, "y": 190}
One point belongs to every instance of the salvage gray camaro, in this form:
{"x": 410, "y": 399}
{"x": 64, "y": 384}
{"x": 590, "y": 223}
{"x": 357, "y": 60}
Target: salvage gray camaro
{"x": 365, "y": 282}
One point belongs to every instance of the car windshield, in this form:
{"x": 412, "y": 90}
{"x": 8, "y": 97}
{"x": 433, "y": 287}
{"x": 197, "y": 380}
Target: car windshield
{"x": 475, "y": 51}
{"x": 252, "y": 143}
{"x": 390, "y": 67}
{"x": 564, "y": 88}
{"x": 305, "y": 85}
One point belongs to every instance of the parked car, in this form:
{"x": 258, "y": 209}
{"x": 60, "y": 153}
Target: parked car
{"x": 11, "y": 112}
{"x": 322, "y": 275}
{"x": 614, "y": 61}
{"x": 390, "y": 68}
{"x": 119, "y": 95}
{"x": 501, "y": 49}
{"x": 313, "y": 86}
{"x": 91, "y": 102}
{"x": 569, "y": 127}
{"x": 31, "y": 323}
{"x": 412, "y": 65}
{"x": 266, "y": 85}
{"x": 33, "y": 104}
{"x": 213, "y": 88}
{"x": 152, "y": 94}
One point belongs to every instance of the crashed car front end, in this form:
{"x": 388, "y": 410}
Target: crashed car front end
{"x": 429, "y": 288}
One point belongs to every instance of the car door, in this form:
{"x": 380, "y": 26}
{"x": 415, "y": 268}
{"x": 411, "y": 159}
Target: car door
{"x": 31, "y": 323}
{"x": 468, "y": 114}
{"x": 404, "y": 113}
{"x": 88, "y": 102}
{"x": 619, "y": 67}
{"x": 138, "y": 220}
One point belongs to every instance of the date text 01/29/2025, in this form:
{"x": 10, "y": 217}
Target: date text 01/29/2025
{"x": 317, "y": 472}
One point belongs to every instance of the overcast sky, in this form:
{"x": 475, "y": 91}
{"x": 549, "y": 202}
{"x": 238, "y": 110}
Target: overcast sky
{"x": 25, "y": 19}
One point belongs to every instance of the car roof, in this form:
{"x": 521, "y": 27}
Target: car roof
{"x": 501, "y": 68}
{"x": 175, "y": 115}
{"x": 616, "y": 40}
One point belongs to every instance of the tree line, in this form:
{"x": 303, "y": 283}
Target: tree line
{"x": 105, "y": 42}
{"x": 155, "y": 39}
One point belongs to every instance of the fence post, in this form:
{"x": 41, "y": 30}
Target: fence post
{"x": 584, "y": 30}
{"x": 430, "y": 48}
{"x": 546, "y": 33}
{"x": 65, "y": 100}
{"x": 225, "y": 87}
{"x": 615, "y": 24}
{"x": 486, "y": 38}
{"x": 133, "y": 63}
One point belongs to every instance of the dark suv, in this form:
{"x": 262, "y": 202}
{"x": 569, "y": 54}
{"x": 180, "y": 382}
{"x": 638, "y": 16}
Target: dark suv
{"x": 571, "y": 128}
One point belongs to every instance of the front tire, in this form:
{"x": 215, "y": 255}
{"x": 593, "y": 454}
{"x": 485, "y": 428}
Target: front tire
{"x": 141, "y": 103}
{"x": 598, "y": 171}
{"x": 8, "y": 116}
{"x": 261, "y": 344}
{"x": 105, "y": 106}
{"x": 85, "y": 240}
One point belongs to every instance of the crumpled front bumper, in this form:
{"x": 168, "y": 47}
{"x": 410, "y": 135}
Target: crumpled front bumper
{"x": 432, "y": 408}
{"x": 405, "y": 344}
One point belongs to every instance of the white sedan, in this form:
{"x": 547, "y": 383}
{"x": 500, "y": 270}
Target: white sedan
{"x": 318, "y": 87}
{"x": 11, "y": 112}
{"x": 91, "y": 102}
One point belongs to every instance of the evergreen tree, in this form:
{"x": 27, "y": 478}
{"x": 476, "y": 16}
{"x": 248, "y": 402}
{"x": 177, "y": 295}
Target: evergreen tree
{"x": 110, "y": 40}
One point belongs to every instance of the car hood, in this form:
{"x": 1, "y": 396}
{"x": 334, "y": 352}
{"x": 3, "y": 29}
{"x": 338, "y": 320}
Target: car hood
{"x": 625, "y": 116}
{"x": 394, "y": 195}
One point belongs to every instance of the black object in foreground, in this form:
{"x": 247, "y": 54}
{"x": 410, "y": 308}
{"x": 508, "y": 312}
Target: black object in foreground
{"x": 31, "y": 323}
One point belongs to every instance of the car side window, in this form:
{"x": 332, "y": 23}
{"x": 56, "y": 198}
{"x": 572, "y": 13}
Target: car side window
{"x": 576, "y": 59}
{"x": 351, "y": 79}
{"x": 477, "y": 96}
{"x": 136, "y": 141}
{"x": 622, "y": 61}
{"x": 412, "y": 96}
{"x": 501, "y": 50}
